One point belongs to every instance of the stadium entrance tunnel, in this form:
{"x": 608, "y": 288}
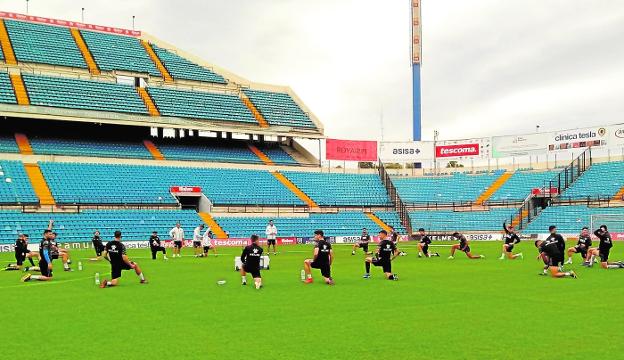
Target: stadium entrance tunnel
{"x": 191, "y": 197}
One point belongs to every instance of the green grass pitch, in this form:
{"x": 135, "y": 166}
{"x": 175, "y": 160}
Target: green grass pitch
{"x": 439, "y": 309}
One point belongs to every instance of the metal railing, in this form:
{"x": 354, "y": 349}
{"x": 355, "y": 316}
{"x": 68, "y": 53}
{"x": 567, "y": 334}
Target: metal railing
{"x": 399, "y": 205}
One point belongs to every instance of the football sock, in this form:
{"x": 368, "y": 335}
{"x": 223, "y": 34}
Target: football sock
{"x": 31, "y": 261}
{"x": 367, "y": 265}
{"x": 65, "y": 266}
{"x": 614, "y": 266}
{"x": 309, "y": 276}
{"x": 35, "y": 277}
{"x": 391, "y": 277}
{"x": 244, "y": 279}
{"x": 11, "y": 268}
{"x": 141, "y": 276}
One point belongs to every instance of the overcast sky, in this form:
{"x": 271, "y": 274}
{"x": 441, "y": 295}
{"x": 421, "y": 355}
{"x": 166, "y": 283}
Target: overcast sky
{"x": 489, "y": 66}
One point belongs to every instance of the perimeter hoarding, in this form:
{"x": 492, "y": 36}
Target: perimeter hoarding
{"x": 406, "y": 151}
{"x": 350, "y": 150}
{"x": 476, "y": 148}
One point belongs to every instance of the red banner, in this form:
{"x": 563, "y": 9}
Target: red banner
{"x": 65, "y": 23}
{"x": 235, "y": 242}
{"x": 349, "y": 150}
{"x": 185, "y": 189}
{"x": 444, "y": 151}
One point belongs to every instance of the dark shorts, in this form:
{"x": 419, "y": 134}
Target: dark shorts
{"x": 255, "y": 272}
{"x": 54, "y": 256}
{"x": 466, "y": 249}
{"x": 99, "y": 248}
{"x": 425, "y": 249}
{"x": 604, "y": 255}
{"x": 271, "y": 242}
{"x": 324, "y": 267}
{"x": 582, "y": 251}
{"x": 206, "y": 248}
{"x": 196, "y": 244}
{"x": 545, "y": 259}
{"x": 45, "y": 270}
{"x": 177, "y": 244}
{"x": 20, "y": 256}
{"x": 386, "y": 265}
{"x": 117, "y": 268}
{"x": 363, "y": 245}
{"x": 509, "y": 247}
{"x": 555, "y": 261}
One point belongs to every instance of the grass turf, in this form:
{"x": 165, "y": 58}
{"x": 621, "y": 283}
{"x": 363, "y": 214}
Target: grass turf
{"x": 439, "y": 309}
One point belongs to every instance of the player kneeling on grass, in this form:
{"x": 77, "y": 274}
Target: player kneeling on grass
{"x": 583, "y": 244}
{"x": 323, "y": 259}
{"x": 362, "y": 243}
{"x": 603, "y": 250}
{"x": 46, "y": 255}
{"x": 552, "y": 250}
{"x": 386, "y": 252}
{"x": 510, "y": 239}
{"x": 423, "y": 245}
{"x": 115, "y": 252}
{"x": 98, "y": 246}
{"x": 251, "y": 262}
{"x": 207, "y": 244}
{"x": 464, "y": 245}
{"x": 22, "y": 253}
{"x": 156, "y": 246}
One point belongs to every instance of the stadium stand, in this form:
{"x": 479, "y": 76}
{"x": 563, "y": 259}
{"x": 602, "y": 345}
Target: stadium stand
{"x": 391, "y": 218}
{"x": 116, "y": 52}
{"x": 200, "y": 105}
{"x": 458, "y": 187}
{"x": 232, "y": 151}
{"x": 83, "y": 94}
{"x": 44, "y": 44}
{"x": 14, "y": 183}
{"x": 341, "y": 189}
{"x": 600, "y": 180}
{"x": 449, "y": 220}
{"x": 521, "y": 183}
{"x": 79, "y": 147}
{"x": 136, "y": 225}
{"x": 115, "y": 183}
{"x": 7, "y": 95}
{"x": 181, "y": 68}
{"x": 279, "y": 109}
{"x": 8, "y": 144}
{"x": 338, "y": 224}
{"x": 570, "y": 219}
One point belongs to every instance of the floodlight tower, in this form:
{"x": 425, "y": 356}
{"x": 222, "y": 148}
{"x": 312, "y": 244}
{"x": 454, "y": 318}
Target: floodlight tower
{"x": 415, "y": 60}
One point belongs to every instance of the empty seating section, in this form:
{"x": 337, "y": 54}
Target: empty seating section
{"x": 136, "y": 225}
{"x": 58, "y": 146}
{"x": 7, "y": 95}
{"x": 570, "y": 219}
{"x": 277, "y": 154}
{"x": 449, "y": 220}
{"x": 279, "y": 109}
{"x": 181, "y": 68}
{"x": 602, "y": 179}
{"x": 234, "y": 152}
{"x": 200, "y": 105}
{"x": 44, "y": 44}
{"x": 520, "y": 184}
{"x": 113, "y": 183}
{"x": 455, "y": 188}
{"x": 116, "y": 52}
{"x": 391, "y": 218}
{"x": 14, "y": 183}
{"x": 347, "y": 223}
{"x": 83, "y": 94}
{"x": 341, "y": 189}
{"x": 8, "y": 144}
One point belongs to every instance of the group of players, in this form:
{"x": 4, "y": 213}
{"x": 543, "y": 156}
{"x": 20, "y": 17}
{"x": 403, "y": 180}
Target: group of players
{"x": 551, "y": 252}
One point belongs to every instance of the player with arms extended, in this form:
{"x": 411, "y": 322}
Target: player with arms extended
{"x": 385, "y": 254}
{"x": 423, "y": 244}
{"x": 362, "y": 243}
{"x": 582, "y": 246}
{"x": 510, "y": 239}
{"x": 603, "y": 250}
{"x": 552, "y": 249}
{"x": 115, "y": 252}
{"x": 323, "y": 259}
{"x": 464, "y": 245}
{"x": 251, "y": 262}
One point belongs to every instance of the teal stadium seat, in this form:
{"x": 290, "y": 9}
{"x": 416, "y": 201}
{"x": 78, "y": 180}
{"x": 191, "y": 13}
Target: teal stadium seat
{"x": 570, "y": 219}
{"x": 8, "y": 144}
{"x": 19, "y": 188}
{"x": 232, "y": 151}
{"x": 449, "y": 220}
{"x": 118, "y": 52}
{"x": 7, "y": 95}
{"x": 279, "y": 109}
{"x": 520, "y": 184}
{"x": 83, "y": 94}
{"x": 600, "y": 180}
{"x": 44, "y": 44}
{"x": 77, "y": 147}
{"x": 183, "y": 69}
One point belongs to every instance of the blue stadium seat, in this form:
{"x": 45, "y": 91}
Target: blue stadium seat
{"x": 449, "y": 220}
{"x": 100, "y": 148}
{"x": 7, "y": 95}
{"x": 520, "y": 184}
{"x": 600, "y": 180}
{"x": 181, "y": 68}
{"x": 279, "y": 109}
{"x": 570, "y": 219}
{"x": 8, "y": 144}
{"x": 18, "y": 188}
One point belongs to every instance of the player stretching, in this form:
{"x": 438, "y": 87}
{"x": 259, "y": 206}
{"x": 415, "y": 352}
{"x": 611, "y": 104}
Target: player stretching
{"x": 583, "y": 244}
{"x": 177, "y": 235}
{"x": 464, "y": 245}
{"x": 251, "y": 262}
{"x": 46, "y": 254}
{"x": 155, "y": 246}
{"x": 323, "y": 259}
{"x": 197, "y": 240}
{"x": 511, "y": 238}
{"x": 386, "y": 252}
{"x": 22, "y": 253}
{"x": 394, "y": 237}
{"x": 362, "y": 243}
{"x": 98, "y": 246}
{"x": 271, "y": 234}
{"x": 552, "y": 249}
{"x": 207, "y": 244}
{"x": 604, "y": 248}
{"x": 115, "y": 251}
{"x": 57, "y": 251}
{"x": 423, "y": 244}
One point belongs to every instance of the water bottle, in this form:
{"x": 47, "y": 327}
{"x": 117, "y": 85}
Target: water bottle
{"x": 79, "y": 265}
{"x": 97, "y": 278}
{"x": 303, "y": 275}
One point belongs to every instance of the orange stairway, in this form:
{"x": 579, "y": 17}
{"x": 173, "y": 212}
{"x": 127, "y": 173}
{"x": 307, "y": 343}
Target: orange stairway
{"x": 213, "y": 225}
{"x": 5, "y": 43}
{"x": 149, "y": 103}
{"x": 86, "y": 53}
{"x": 516, "y": 220}
{"x": 39, "y": 184}
{"x": 295, "y": 190}
{"x": 151, "y": 147}
{"x": 262, "y": 156}
{"x": 159, "y": 65}
{"x": 379, "y": 222}
{"x": 20, "y": 90}
{"x": 259, "y": 118}
{"x": 485, "y": 196}
{"x": 23, "y": 144}
{"x": 619, "y": 195}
